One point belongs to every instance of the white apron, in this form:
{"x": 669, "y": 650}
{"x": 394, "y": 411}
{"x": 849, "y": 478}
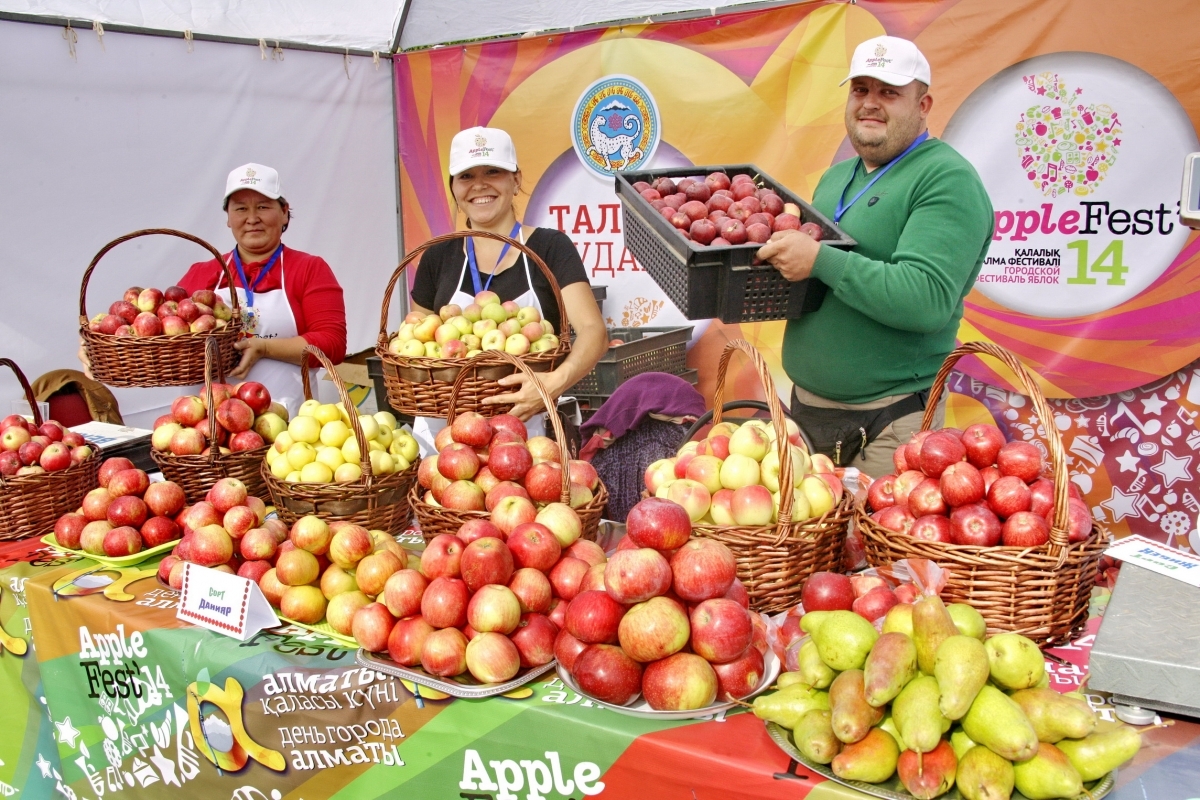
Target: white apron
{"x": 425, "y": 429}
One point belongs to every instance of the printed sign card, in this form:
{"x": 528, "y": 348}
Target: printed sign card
{"x": 1158, "y": 558}
{"x": 224, "y": 603}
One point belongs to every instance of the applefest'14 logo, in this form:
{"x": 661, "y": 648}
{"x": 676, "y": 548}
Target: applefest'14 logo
{"x": 1065, "y": 145}
{"x": 615, "y": 125}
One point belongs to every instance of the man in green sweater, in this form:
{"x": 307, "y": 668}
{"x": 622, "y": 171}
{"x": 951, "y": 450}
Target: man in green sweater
{"x": 863, "y": 363}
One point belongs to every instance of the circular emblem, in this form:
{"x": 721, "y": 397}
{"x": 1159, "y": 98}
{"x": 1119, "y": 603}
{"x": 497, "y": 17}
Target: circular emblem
{"x": 615, "y": 125}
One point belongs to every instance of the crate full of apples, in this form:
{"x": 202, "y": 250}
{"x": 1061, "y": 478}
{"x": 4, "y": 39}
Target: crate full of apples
{"x": 972, "y": 488}
{"x": 486, "y": 324}
{"x": 246, "y": 419}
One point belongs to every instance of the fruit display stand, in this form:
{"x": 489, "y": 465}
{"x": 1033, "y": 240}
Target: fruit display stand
{"x": 722, "y": 282}
{"x": 162, "y": 360}
{"x": 419, "y": 386}
{"x": 196, "y": 474}
{"x": 378, "y": 502}
{"x": 1040, "y": 592}
{"x": 30, "y": 504}
{"x": 434, "y": 520}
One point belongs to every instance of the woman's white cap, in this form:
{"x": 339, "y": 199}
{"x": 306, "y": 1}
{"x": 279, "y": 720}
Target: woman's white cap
{"x": 889, "y": 59}
{"x": 261, "y": 179}
{"x": 476, "y": 147}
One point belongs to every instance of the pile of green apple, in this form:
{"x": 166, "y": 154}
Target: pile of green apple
{"x": 936, "y": 700}
{"x": 318, "y": 445}
{"x": 486, "y": 324}
{"x": 732, "y": 477}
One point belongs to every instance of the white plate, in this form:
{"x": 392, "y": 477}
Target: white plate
{"x": 640, "y": 708}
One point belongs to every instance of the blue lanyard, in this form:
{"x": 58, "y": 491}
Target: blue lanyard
{"x": 262, "y": 273}
{"x": 843, "y": 206}
{"x": 475, "y": 268}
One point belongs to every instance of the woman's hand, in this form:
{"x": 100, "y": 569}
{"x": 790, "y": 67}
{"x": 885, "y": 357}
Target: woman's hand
{"x": 83, "y": 359}
{"x": 525, "y": 399}
{"x": 252, "y": 350}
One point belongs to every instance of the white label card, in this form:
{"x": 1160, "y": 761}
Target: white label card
{"x": 1158, "y": 558}
{"x": 224, "y": 603}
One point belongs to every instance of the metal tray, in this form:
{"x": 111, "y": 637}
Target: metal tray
{"x": 463, "y": 686}
{"x": 120, "y": 561}
{"x": 640, "y": 708}
{"x": 893, "y": 789}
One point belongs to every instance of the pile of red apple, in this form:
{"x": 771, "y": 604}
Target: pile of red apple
{"x": 220, "y": 531}
{"x": 246, "y": 420}
{"x": 150, "y": 312}
{"x": 665, "y": 618}
{"x": 125, "y": 515}
{"x": 486, "y": 464}
{"x": 972, "y": 488}
{"x": 719, "y": 211}
{"x": 28, "y": 449}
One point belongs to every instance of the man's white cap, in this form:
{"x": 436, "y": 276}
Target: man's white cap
{"x": 261, "y": 179}
{"x": 476, "y": 147}
{"x": 889, "y": 59}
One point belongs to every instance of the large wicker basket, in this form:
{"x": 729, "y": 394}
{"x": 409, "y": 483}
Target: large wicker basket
{"x": 775, "y": 560}
{"x": 1040, "y": 592}
{"x": 378, "y": 502}
{"x": 31, "y": 504}
{"x": 156, "y": 360}
{"x": 436, "y": 519}
{"x": 197, "y": 474}
{"x": 421, "y": 386}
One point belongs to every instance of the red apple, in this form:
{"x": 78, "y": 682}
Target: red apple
{"x": 471, "y": 428}
{"x": 931, "y": 528}
{"x": 484, "y": 561}
{"x": 444, "y": 653}
{"x": 533, "y": 545}
{"x": 912, "y": 449}
{"x": 128, "y": 482}
{"x": 444, "y": 604}
{"x": 880, "y": 493}
{"x": 812, "y": 230}
{"x": 738, "y": 594}
{"x": 56, "y": 456}
{"x": 1079, "y": 521}
{"x": 989, "y": 475}
{"x": 95, "y": 504}
{"x": 721, "y": 630}
{"x": 122, "y": 541}
{"x": 258, "y": 544}
{"x": 165, "y": 498}
{"x": 738, "y": 678}
{"x": 926, "y": 498}
{"x": 246, "y": 440}
{"x": 975, "y": 524}
{"x": 238, "y": 520}
{"x": 658, "y": 523}
{"x": 703, "y": 569}
{"x": 682, "y": 682}
{"x": 403, "y": 591}
{"x": 254, "y": 395}
{"x": 372, "y": 572}
{"x": 534, "y": 638}
{"x": 512, "y": 512}
{"x": 492, "y": 657}
{"x": 500, "y": 491}
{"x": 1041, "y": 498}
{"x": 567, "y": 576}
{"x": 127, "y": 510}
{"x": 875, "y": 603}
{"x": 587, "y": 550}
{"x": 961, "y": 484}
{"x": 544, "y": 482}
{"x": 1025, "y": 529}
{"x": 463, "y": 496}
{"x": 567, "y": 648}
{"x": 594, "y": 617}
{"x": 442, "y": 558}
{"x": 372, "y": 627}
{"x": 635, "y": 575}
{"x": 458, "y": 462}
{"x": 982, "y": 443}
{"x": 68, "y": 528}
{"x": 407, "y": 639}
{"x": 147, "y": 324}
{"x": 608, "y": 674}
{"x": 510, "y": 462}
{"x": 654, "y": 629}
{"x": 1020, "y": 459}
{"x": 938, "y": 451}
{"x": 507, "y": 422}
{"x": 1008, "y": 496}
{"x": 827, "y": 591}
{"x": 30, "y": 453}
{"x": 904, "y": 485}
{"x": 533, "y": 590}
{"x": 594, "y": 579}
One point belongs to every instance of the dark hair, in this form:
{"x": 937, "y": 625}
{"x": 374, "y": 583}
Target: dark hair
{"x": 283, "y": 204}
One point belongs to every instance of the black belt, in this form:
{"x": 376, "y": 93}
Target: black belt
{"x": 842, "y": 433}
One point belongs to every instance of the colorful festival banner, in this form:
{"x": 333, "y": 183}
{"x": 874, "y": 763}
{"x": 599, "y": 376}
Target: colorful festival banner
{"x": 1076, "y": 113}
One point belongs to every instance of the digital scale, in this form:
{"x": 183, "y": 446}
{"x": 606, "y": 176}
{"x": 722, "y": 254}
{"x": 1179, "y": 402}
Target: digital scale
{"x": 1147, "y": 651}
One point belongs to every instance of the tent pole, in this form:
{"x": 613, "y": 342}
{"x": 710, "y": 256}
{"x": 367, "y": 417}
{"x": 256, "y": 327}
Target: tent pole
{"x": 400, "y": 248}
{"x": 400, "y": 25}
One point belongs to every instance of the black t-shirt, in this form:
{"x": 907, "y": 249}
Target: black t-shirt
{"x": 438, "y": 273}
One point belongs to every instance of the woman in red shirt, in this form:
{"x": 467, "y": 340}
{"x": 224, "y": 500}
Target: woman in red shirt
{"x": 292, "y": 299}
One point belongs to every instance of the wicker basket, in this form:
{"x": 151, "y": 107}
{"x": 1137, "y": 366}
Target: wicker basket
{"x": 378, "y": 502}
{"x": 775, "y": 560}
{"x": 436, "y": 519}
{"x": 1041, "y": 592}
{"x": 155, "y": 360}
{"x": 421, "y": 386}
{"x": 31, "y": 504}
{"x": 197, "y": 474}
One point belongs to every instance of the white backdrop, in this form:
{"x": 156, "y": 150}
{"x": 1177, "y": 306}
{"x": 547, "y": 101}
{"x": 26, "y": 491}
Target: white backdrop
{"x": 141, "y": 133}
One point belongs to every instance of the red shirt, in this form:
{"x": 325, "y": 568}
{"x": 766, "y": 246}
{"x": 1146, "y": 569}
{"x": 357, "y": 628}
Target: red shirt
{"x": 312, "y": 291}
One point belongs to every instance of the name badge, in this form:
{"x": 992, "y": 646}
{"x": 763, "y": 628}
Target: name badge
{"x": 224, "y": 603}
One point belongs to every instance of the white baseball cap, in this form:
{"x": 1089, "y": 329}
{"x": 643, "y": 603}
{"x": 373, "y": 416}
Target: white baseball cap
{"x": 261, "y": 179}
{"x": 477, "y": 147}
{"x": 889, "y": 59}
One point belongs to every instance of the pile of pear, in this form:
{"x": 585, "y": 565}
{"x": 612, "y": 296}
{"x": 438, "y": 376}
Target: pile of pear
{"x": 936, "y": 700}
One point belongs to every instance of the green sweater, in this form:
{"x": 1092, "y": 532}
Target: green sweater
{"x": 891, "y": 314}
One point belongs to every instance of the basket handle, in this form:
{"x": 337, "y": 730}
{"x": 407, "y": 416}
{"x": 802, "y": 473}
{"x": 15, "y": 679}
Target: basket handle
{"x": 563, "y": 326}
{"x": 777, "y": 422}
{"x": 212, "y": 358}
{"x": 493, "y": 357}
{"x": 29, "y": 396}
{"x": 1058, "y": 526}
{"x": 87, "y": 275}
{"x": 367, "y": 478}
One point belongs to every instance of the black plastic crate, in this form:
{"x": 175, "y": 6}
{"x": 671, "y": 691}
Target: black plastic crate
{"x": 721, "y": 282}
{"x": 588, "y": 403}
{"x": 644, "y": 350}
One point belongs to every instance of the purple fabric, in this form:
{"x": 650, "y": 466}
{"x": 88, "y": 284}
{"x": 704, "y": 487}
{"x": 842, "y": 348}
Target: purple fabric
{"x": 623, "y": 465}
{"x": 648, "y": 393}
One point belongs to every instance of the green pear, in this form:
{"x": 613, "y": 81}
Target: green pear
{"x": 891, "y": 664}
{"x": 1055, "y": 716}
{"x": 931, "y": 626}
{"x": 872, "y": 760}
{"x": 983, "y": 775}
{"x": 812, "y": 668}
{"x": 1044, "y": 683}
{"x": 899, "y": 619}
{"x": 961, "y": 669}
{"x": 852, "y": 716}
{"x": 1047, "y": 775}
{"x": 968, "y": 621}
{"x": 787, "y": 706}
{"x": 1101, "y": 753}
{"x": 928, "y": 775}
{"x": 998, "y": 723}
{"x": 843, "y": 639}
{"x": 813, "y": 620}
{"x": 889, "y": 725}
{"x": 814, "y": 737}
{"x": 960, "y": 742}
{"x": 917, "y": 715}
{"x": 1015, "y": 662}
{"x": 787, "y": 679}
